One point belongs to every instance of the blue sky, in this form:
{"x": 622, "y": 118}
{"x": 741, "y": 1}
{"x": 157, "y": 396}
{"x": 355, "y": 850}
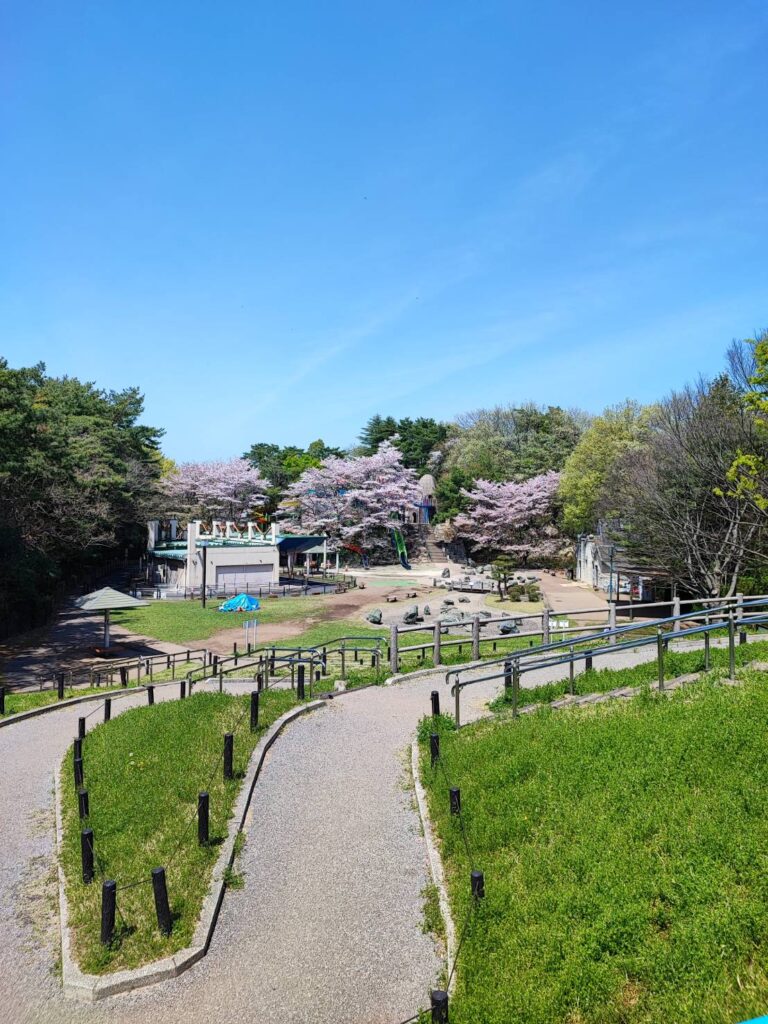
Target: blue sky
{"x": 278, "y": 219}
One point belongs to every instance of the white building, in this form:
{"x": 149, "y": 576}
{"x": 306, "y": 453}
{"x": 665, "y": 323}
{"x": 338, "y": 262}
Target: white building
{"x": 225, "y": 555}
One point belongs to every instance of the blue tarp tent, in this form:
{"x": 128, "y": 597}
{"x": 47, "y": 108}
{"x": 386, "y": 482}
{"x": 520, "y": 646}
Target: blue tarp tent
{"x": 241, "y": 603}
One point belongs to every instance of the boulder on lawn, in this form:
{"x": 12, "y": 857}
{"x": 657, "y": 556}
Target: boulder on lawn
{"x": 446, "y": 573}
{"x": 450, "y": 618}
{"x": 411, "y": 615}
{"x": 375, "y": 617}
{"x": 485, "y": 614}
{"x": 427, "y": 610}
{"x": 463, "y": 600}
{"x": 507, "y": 627}
{"x": 448, "y": 601}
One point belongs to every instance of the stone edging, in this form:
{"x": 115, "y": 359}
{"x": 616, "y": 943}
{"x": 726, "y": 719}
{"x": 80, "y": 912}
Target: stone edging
{"x": 93, "y": 987}
{"x": 435, "y": 863}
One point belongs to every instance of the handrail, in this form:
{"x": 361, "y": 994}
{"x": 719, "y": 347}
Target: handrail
{"x": 513, "y": 670}
{"x": 617, "y": 631}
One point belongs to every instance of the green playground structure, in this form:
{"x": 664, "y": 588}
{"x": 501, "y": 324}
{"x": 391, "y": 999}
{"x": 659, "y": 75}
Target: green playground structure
{"x": 402, "y": 551}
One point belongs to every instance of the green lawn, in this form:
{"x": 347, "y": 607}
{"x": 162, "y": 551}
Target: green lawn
{"x": 143, "y": 771}
{"x": 183, "y": 622}
{"x": 625, "y": 853}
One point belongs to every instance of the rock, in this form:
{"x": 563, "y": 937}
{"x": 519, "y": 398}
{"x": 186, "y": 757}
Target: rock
{"x": 446, "y": 574}
{"x": 448, "y": 601}
{"x": 411, "y": 614}
{"x": 485, "y": 614}
{"x": 451, "y": 618}
{"x": 471, "y": 564}
{"x": 427, "y": 610}
{"x": 463, "y": 600}
{"x": 375, "y": 617}
{"x": 507, "y": 627}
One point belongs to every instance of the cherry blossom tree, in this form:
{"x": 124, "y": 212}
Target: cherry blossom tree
{"x": 513, "y": 518}
{"x": 354, "y": 500}
{"x": 228, "y": 489}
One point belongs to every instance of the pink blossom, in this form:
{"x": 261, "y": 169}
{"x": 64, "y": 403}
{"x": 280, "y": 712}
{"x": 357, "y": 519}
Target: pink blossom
{"x": 227, "y": 489}
{"x": 353, "y": 500}
{"x": 514, "y": 518}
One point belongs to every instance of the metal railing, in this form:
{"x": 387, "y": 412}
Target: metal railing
{"x": 513, "y": 665}
{"x": 271, "y": 662}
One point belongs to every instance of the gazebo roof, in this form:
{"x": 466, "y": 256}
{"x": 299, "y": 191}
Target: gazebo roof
{"x": 107, "y": 599}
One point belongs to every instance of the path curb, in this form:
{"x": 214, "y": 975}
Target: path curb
{"x": 435, "y": 864}
{"x": 93, "y": 987}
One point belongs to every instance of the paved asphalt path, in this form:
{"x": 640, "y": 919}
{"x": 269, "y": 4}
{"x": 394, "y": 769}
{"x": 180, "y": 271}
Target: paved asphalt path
{"x": 328, "y": 925}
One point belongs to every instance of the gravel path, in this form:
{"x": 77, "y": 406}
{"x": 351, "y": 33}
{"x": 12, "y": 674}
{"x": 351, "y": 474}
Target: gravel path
{"x": 328, "y": 925}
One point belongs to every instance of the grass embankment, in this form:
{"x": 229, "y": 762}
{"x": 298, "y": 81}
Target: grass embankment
{"x": 625, "y": 852}
{"x": 143, "y": 772}
{"x": 676, "y": 663}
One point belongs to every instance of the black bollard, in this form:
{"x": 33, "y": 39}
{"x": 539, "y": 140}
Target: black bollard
{"x": 435, "y": 698}
{"x": 300, "y": 683}
{"x": 439, "y": 1004}
{"x": 259, "y": 680}
{"x": 455, "y": 801}
{"x": 742, "y": 636}
{"x": 254, "y": 710}
{"x": 60, "y": 685}
{"x": 78, "y": 772}
{"x": 202, "y": 818}
{"x": 160, "y": 890}
{"x": 86, "y": 854}
{"x": 182, "y": 689}
{"x": 77, "y": 746}
{"x": 81, "y": 728}
{"x": 215, "y": 664}
{"x": 588, "y": 663}
{"x": 124, "y": 675}
{"x": 2, "y": 700}
{"x": 107, "y": 708}
{"x": 229, "y": 741}
{"x": 434, "y": 748}
{"x": 478, "y": 885}
{"x": 108, "y": 907}
{"x": 82, "y": 803}
{"x": 150, "y": 694}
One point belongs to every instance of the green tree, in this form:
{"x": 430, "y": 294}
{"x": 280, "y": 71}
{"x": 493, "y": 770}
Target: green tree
{"x": 449, "y": 498}
{"x": 582, "y": 484}
{"x": 502, "y": 571}
{"x": 377, "y": 429}
{"x": 283, "y": 466}
{"x": 748, "y": 474}
{"x": 78, "y": 479}
{"x": 514, "y": 442}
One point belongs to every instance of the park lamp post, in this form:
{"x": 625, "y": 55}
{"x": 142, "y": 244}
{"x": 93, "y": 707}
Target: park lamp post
{"x": 204, "y": 553}
{"x": 610, "y": 582}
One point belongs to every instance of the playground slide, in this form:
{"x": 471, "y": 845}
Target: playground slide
{"x": 402, "y": 551}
